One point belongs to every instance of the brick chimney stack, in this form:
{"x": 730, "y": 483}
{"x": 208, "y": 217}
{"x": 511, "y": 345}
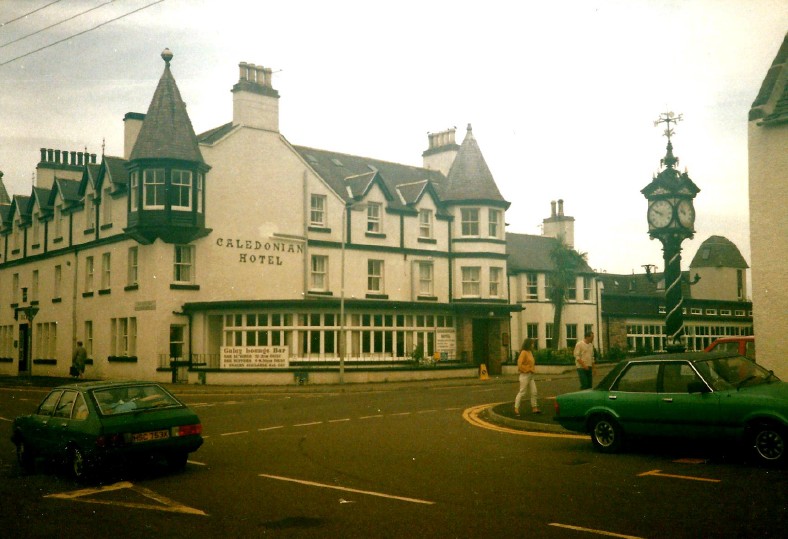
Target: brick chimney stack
{"x": 255, "y": 101}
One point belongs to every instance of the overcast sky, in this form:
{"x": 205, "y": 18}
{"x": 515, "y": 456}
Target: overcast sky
{"x": 562, "y": 96}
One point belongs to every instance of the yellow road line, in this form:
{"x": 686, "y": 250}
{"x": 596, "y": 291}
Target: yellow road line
{"x": 591, "y": 530}
{"x": 471, "y": 415}
{"x": 658, "y": 473}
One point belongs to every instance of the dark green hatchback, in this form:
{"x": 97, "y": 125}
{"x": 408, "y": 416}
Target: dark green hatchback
{"x": 91, "y": 424}
{"x": 692, "y": 395}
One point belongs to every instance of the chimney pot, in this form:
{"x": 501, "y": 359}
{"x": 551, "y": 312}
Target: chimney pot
{"x": 243, "y": 71}
{"x": 561, "y": 206}
{"x": 267, "y": 76}
{"x": 43, "y": 155}
{"x": 93, "y": 158}
{"x": 552, "y": 208}
{"x": 73, "y": 158}
{"x": 50, "y": 155}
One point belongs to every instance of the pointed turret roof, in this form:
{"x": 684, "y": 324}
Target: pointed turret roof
{"x": 771, "y": 104}
{"x": 167, "y": 131}
{"x": 4, "y": 198}
{"x": 469, "y": 178}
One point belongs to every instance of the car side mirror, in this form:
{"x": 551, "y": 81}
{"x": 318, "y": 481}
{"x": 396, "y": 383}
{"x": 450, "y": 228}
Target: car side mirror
{"x": 698, "y": 387}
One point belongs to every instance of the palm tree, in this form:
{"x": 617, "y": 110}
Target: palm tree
{"x": 567, "y": 264}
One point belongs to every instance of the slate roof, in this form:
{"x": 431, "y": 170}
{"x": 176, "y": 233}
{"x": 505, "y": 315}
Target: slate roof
{"x": 115, "y": 168}
{"x": 771, "y": 104}
{"x": 638, "y": 284}
{"x": 528, "y": 252}
{"x": 167, "y": 131}
{"x": 5, "y": 213}
{"x": 4, "y": 198}
{"x": 40, "y": 195}
{"x": 718, "y": 252}
{"x": 342, "y": 171}
{"x": 68, "y": 189}
{"x": 469, "y": 178}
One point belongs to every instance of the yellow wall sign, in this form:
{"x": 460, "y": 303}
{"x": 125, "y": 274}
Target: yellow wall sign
{"x": 255, "y": 357}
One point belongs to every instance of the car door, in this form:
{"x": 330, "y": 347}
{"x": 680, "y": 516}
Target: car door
{"x": 58, "y": 427}
{"x": 634, "y": 397}
{"x": 35, "y": 428}
{"x": 684, "y": 411}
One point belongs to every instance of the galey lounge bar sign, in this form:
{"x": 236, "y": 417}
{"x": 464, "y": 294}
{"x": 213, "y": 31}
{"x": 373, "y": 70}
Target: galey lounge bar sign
{"x": 255, "y": 357}
{"x": 270, "y": 253}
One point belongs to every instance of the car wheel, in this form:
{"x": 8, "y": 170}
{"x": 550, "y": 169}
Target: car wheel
{"x": 77, "y": 466}
{"x": 177, "y": 461}
{"x": 606, "y": 434}
{"x": 25, "y": 456}
{"x": 768, "y": 443}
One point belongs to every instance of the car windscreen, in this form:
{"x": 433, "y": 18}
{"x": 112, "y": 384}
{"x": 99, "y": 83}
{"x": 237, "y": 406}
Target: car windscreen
{"x": 733, "y": 372}
{"x": 118, "y": 400}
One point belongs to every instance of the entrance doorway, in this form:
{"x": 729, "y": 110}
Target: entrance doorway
{"x": 24, "y": 348}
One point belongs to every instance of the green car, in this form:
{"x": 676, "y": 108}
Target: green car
{"x": 721, "y": 396}
{"x": 88, "y": 425}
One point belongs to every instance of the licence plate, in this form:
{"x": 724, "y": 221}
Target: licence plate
{"x": 148, "y": 436}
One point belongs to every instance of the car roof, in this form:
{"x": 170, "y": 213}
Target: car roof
{"x": 686, "y": 356}
{"x": 104, "y": 384}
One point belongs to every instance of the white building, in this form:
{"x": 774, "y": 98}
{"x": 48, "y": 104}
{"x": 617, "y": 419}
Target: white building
{"x": 233, "y": 253}
{"x": 768, "y": 171}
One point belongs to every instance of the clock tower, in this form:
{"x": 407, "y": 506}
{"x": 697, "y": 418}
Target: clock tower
{"x": 671, "y": 220}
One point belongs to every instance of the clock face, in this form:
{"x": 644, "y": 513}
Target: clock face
{"x": 660, "y": 214}
{"x": 686, "y": 213}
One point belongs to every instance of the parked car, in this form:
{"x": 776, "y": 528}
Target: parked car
{"x": 88, "y": 425}
{"x": 744, "y": 345}
{"x": 690, "y": 395}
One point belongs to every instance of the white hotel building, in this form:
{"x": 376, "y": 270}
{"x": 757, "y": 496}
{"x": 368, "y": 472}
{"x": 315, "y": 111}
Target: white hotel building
{"x": 233, "y": 253}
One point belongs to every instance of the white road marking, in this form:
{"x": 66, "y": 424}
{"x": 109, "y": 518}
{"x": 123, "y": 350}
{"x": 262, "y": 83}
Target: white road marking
{"x": 346, "y": 489}
{"x": 590, "y": 530}
{"x": 370, "y": 416}
{"x": 272, "y": 428}
{"x": 234, "y": 433}
{"x": 426, "y": 411}
{"x": 402, "y": 413}
{"x": 307, "y": 424}
{"x": 196, "y": 463}
{"x": 339, "y": 420}
{"x": 4, "y": 419}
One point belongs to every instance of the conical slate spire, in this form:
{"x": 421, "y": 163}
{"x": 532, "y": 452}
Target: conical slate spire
{"x": 167, "y": 131}
{"x": 469, "y": 177}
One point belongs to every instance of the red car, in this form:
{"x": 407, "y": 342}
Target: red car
{"x": 744, "y": 345}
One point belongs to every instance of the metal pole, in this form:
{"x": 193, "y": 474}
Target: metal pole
{"x": 342, "y": 301}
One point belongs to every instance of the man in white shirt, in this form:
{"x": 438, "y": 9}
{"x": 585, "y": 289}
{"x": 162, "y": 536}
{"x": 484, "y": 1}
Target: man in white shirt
{"x": 584, "y": 360}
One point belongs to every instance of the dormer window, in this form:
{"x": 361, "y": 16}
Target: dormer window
{"x": 425, "y": 223}
{"x": 89, "y": 205}
{"x": 153, "y": 189}
{"x": 374, "y": 218}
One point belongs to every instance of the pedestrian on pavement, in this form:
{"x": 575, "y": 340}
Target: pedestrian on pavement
{"x": 584, "y": 360}
{"x": 526, "y": 367}
{"x": 78, "y": 360}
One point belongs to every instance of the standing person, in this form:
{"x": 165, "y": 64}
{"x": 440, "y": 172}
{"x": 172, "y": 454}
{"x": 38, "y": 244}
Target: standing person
{"x": 526, "y": 366}
{"x": 78, "y": 360}
{"x": 584, "y": 360}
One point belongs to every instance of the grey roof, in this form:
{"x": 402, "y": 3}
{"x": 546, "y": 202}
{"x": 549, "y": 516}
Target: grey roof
{"x": 528, "y": 252}
{"x": 5, "y": 213}
{"x": 469, "y": 178}
{"x": 341, "y": 171}
{"x": 114, "y": 167}
{"x": 167, "y": 131}
{"x": 68, "y": 189}
{"x": 771, "y": 104}
{"x": 639, "y": 284}
{"x": 42, "y": 196}
{"x": 4, "y": 198}
{"x": 718, "y": 252}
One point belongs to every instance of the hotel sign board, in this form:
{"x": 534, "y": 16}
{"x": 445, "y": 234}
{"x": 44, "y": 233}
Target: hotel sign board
{"x": 255, "y": 357}
{"x": 446, "y": 343}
